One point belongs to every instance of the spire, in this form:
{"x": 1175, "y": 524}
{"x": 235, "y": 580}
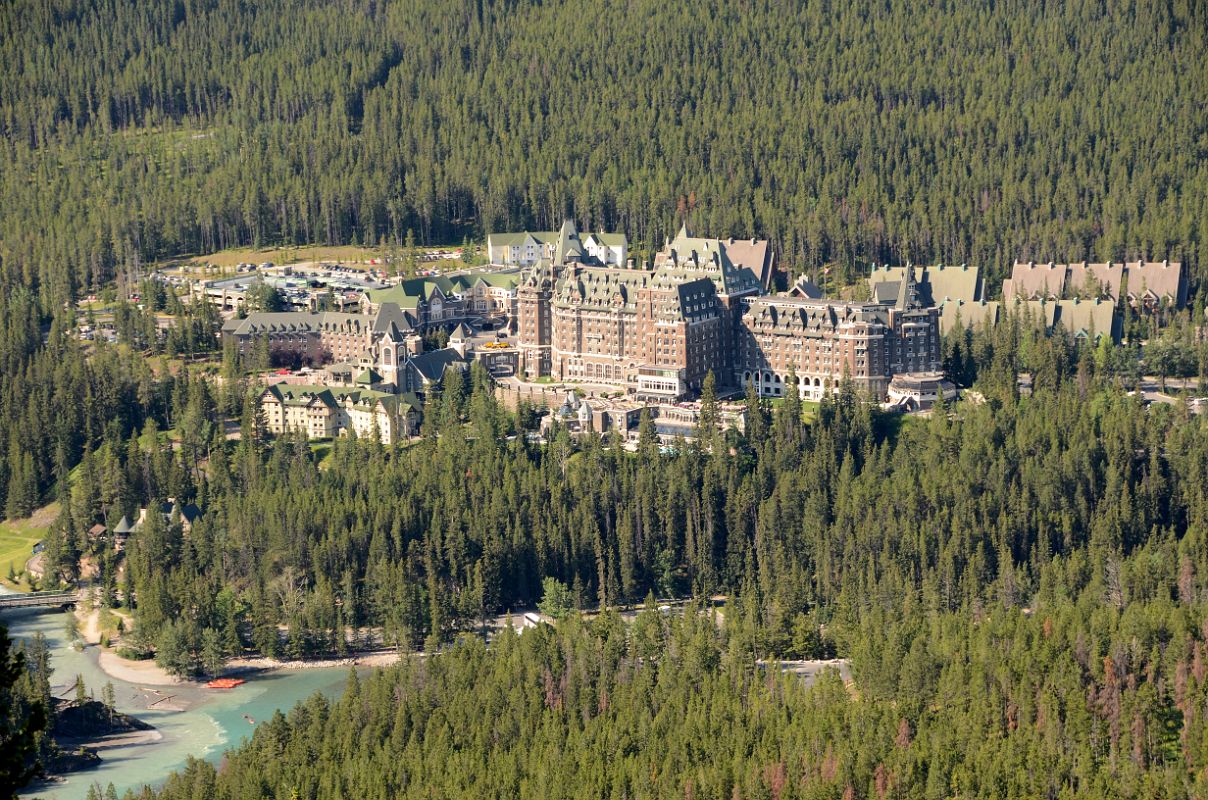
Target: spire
{"x": 569, "y": 247}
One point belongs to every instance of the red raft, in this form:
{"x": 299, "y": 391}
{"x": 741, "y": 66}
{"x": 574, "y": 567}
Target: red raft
{"x": 225, "y": 683}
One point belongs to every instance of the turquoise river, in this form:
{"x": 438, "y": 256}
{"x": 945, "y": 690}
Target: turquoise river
{"x": 213, "y": 722}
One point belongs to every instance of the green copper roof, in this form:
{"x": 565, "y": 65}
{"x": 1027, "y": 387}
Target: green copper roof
{"x": 395, "y": 294}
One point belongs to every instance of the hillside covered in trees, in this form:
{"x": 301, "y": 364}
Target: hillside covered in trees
{"x": 1020, "y": 585}
{"x": 1076, "y": 700}
{"x": 846, "y": 132}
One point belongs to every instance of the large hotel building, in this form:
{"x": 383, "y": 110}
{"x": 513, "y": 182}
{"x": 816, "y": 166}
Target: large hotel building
{"x": 702, "y": 307}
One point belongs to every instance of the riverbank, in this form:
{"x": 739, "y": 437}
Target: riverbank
{"x": 141, "y": 673}
{"x": 147, "y": 673}
{"x": 191, "y": 720}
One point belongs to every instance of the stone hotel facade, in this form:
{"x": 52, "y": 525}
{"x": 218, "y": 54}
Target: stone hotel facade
{"x": 659, "y": 330}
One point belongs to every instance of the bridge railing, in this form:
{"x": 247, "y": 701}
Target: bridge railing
{"x": 35, "y": 599}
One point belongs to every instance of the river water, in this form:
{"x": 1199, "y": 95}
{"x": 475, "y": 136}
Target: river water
{"x": 213, "y": 722}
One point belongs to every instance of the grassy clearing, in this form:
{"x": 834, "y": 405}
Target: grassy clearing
{"x": 111, "y": 625}
{"x": 17, "y": 538}
{"x": 149, "y": 443}
{"x": 349, "y": 255}
{"x": 321, "y": 449}
{"x": 809, "y": 408}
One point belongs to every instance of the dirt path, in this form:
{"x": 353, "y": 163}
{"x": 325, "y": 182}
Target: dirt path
{"x": 113, "y": 665}
{"x": 375, "y": 659}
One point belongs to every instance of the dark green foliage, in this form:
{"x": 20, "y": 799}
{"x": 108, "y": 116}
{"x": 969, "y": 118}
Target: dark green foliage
{"x": 556, "y": 599}
{"x": 1068, "y": 701}
{"x": 1020, "y": 587}
{"x": 845, "y": 132}
{"x": 23, "y": 705}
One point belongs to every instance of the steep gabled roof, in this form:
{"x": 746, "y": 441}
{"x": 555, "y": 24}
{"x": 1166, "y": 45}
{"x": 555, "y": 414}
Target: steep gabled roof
{"x": 368, "y": 377}
{"x": 1095, "y": 280}
{"x": 600, "y": 287}
{"x": 189, "y": 512}
{"x": 1157, "y": 279}
{"x": 330, "y": 396}
{"x": 804, "y": 287}
{"x": 1087, "y": 317}
{"x": 934, "y": 284}
{"x": 409, "y": 401}
{"x": 392, "y": 319}
{"x": 970, "y": 315}
{"x": 687, "y": 254}
{"x": 522, "y": 238}
{"x": 297, "y": 322}
{"x": 569, "y": 247}
{"x": 499, "y": 280}
{"x": 608, "y": 239}
{"x": 1033, "y": 281}
{"x": 432, "y": 364}
{"x": 886, "y": 291}
{"x": 949, "y": 282}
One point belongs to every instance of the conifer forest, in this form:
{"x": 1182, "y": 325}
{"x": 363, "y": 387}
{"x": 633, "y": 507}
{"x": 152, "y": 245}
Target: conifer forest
{"x": 1018, "y": 581}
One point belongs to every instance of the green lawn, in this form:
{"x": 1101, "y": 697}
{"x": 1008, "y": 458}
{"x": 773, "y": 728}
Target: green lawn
{"x": 350, "y": 255}
{"x": 322, "y": 450}
{"x": 147, "y": 443}
{"x": 809, "y": 408}
{"x": 17, "y": 539}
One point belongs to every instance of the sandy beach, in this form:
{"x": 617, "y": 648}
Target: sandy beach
{"x": 146, "y": 673}
{"x": 142, "y": 673}
{"x": 116, "y": 740}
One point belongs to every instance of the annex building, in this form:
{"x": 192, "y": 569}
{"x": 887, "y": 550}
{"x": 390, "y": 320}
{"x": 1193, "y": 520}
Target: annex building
{"x": 1147, "y": 284}
{"x": 528, "y": 248}
{"x": 446, "y": 300}
{"x": 317, "y": 338}
{"x": 329, "y": 411}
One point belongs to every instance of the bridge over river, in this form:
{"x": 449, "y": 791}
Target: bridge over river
{"x": 38, "y": 600}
